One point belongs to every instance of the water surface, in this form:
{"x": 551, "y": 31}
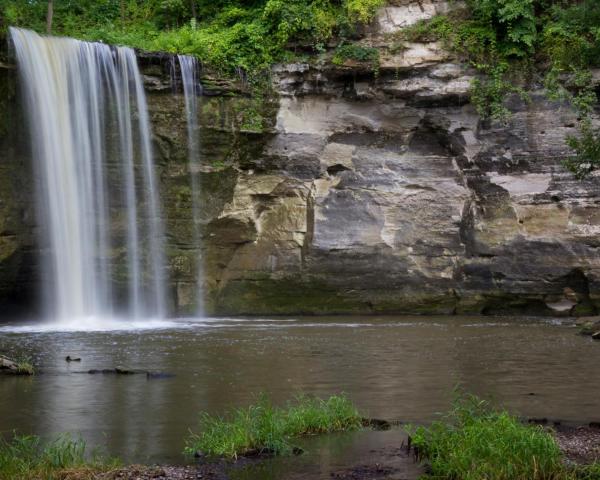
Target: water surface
{"x": 397, "y": 368}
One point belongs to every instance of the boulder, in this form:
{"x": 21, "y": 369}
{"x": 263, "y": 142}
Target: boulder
{"x": 590, "y": 328}
{"x": 7, "y": 365}
{"x": 12, "y": 367}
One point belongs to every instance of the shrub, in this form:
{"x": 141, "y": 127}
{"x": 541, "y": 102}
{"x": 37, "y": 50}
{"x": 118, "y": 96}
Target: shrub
{"x": 362, "y": 10}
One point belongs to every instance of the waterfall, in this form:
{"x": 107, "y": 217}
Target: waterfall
{"x": 192, "y": 89}
{"x": 98, "y": 198}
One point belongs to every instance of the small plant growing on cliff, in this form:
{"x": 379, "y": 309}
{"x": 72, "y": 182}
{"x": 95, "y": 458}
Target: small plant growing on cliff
{"x": 587, "y": 151}
{"x": 356, "y": 53}
{"x": 264, "y": 428}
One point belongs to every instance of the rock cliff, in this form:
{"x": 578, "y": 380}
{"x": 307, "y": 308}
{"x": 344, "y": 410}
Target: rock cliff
{"x": 354, "y": 190}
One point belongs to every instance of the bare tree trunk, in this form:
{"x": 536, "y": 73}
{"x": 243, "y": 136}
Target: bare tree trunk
{"x": 123, "y": 13}
{"x": 49, "y": 16}
{"x": 193, "y": 2}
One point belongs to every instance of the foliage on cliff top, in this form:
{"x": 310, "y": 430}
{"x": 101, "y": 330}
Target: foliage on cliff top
{"x": 227, "y": 34}
{"x": 504, "y": 39}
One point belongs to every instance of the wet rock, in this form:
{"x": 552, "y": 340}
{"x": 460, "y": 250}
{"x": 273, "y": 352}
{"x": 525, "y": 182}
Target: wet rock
{"x": 538, "y": 421}
{"x": 563, "y": 306}
{"x": 128, "y": 371}
{"x": 297, "y": 451}
{"x": 364, "y": 472}
{"x": 13, "y": 367}
{"x": 158, "y": 375}
{"x": 115, "y": 371}
{"x": 259, "y": 453}
{"x": 376, "y": 423}
{"x": 7, "y": 364}
{"x": 590, "y": 328}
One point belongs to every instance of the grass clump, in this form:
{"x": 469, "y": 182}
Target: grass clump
{"x": 475, "y": 441}
{"x": 25, "y": 367}
{"x": 29, "y": 458}
{"x": 264, "y": 428}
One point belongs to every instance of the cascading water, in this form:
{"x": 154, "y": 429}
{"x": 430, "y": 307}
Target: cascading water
{"x": 90, "y": 137}
{"x": 192, "y": 89}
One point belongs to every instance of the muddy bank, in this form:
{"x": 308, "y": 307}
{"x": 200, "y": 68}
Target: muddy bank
{"x": 351, "y": 456}
{"x": 387, "y": 463}
{"x": 139, "y": 472}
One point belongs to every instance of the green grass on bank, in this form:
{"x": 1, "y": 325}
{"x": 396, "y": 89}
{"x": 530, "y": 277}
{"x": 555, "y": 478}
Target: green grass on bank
{"x": 475, "y": 441}
{"x": 265, "y": 428}
{"x": 29, "y": 458}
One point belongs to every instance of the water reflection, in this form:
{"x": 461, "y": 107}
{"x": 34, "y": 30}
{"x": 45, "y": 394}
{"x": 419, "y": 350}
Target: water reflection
{"x": 393, "y": 368}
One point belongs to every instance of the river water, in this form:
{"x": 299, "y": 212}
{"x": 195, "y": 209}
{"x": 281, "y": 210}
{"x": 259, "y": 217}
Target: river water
{"x": 396, "y": 368}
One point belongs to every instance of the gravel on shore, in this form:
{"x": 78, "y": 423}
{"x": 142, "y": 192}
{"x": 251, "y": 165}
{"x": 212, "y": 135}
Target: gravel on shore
{"x": 579, "y": 444}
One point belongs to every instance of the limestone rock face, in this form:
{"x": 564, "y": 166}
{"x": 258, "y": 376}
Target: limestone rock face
{"x": 399, "y": 198}
{"x": 404, "y": 13}
{"x": 354, "y": 191}
{"x": 19, "y": 270}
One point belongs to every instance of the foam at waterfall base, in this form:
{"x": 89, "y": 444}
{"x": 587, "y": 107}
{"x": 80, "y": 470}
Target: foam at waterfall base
{"x": 92, "y": 324}
{"x": 123, "y": 324}
{"x": 116, "y": 324}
